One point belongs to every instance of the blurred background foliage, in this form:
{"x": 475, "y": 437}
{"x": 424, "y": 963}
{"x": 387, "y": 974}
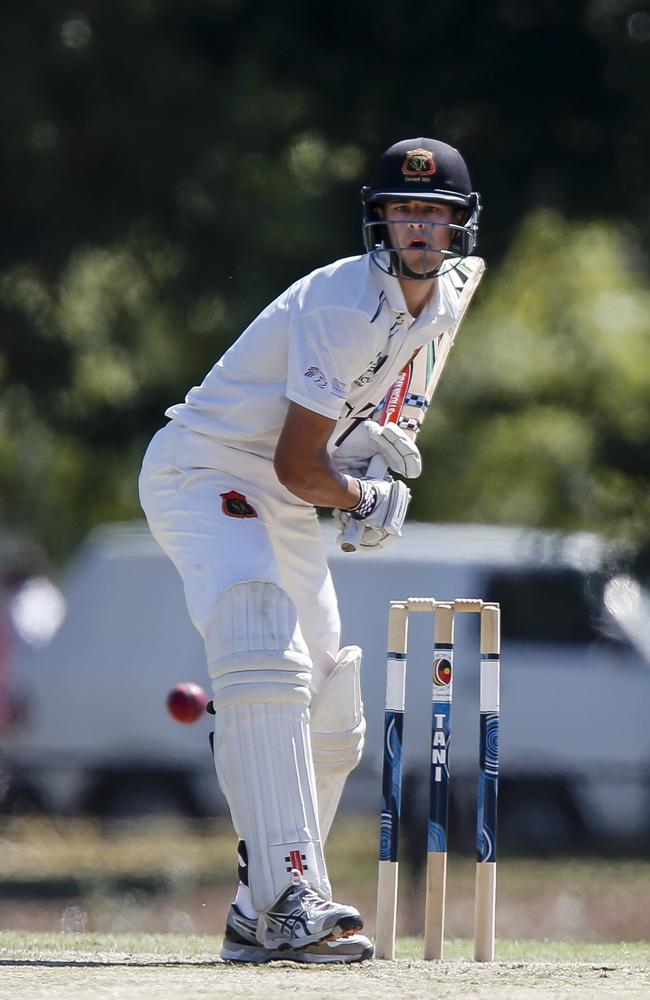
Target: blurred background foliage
{"x": 167, "y": 169}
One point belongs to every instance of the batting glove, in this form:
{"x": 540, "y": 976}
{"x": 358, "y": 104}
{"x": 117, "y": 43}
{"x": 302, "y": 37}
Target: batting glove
{"x": 369, "y": 438}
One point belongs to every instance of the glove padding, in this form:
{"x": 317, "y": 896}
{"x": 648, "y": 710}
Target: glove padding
{"x": 369, "y": 438}
{"x": 383, "y": 521}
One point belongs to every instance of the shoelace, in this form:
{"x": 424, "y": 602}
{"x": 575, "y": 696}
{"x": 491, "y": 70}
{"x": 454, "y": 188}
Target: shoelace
{"x": 297, "y": 878}
{"x": 312, "y": 900}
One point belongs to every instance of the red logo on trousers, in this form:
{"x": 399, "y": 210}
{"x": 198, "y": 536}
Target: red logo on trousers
{"x": 236, "y": 505}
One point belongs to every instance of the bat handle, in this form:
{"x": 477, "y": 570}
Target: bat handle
{"x": 351, "y": 537}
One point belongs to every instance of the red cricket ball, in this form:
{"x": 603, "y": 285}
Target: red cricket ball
{"x": 187, "y": 702}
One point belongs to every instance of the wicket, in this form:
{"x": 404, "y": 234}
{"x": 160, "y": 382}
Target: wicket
{"x": 436, "y": 879}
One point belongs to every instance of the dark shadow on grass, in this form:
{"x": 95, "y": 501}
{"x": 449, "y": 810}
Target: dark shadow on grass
{"x": 217, "y": 963}
{"x": 49, "y": 963}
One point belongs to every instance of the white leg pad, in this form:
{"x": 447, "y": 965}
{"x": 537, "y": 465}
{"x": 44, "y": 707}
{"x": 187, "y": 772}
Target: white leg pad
{"x": 260, "y": 670}
{"x": 337, "y": 727}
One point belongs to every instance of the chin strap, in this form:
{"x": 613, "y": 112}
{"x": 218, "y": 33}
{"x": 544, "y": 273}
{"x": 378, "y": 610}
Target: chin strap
{"x": 404, "y": 271}
{"x": 401, "y": 270}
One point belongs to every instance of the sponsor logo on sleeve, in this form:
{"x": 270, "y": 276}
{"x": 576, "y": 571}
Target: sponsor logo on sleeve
{"x": 317, "y": 376}
{"x": 338, "y": 388}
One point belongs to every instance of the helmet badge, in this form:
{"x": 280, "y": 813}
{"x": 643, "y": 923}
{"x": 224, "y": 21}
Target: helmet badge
{"x": 419, "y": 163}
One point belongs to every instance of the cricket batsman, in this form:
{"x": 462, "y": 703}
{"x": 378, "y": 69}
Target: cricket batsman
{"x": 229, "y": 485}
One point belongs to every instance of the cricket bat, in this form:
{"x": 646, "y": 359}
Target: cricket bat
{"x": 408, "y": 399}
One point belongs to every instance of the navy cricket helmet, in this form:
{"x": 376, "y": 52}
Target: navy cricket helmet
{"x": 422, "y": 170}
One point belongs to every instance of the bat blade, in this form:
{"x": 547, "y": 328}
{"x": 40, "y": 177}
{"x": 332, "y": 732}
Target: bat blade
{"x": 429, "y": 363}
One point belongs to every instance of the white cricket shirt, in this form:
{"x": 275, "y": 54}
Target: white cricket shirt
{"x": 333, "y": 342}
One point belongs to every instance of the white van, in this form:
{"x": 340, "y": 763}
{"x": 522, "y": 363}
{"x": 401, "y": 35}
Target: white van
{"x": 575, "y": 744}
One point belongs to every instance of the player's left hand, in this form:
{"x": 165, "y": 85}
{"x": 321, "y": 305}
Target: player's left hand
{"x": 383, "y": 521}
{"x": 369, "y": 438}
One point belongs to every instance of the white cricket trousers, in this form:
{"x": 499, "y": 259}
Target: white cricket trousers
{"x": 184, "y": 476}
{"x": 224, "y": 519}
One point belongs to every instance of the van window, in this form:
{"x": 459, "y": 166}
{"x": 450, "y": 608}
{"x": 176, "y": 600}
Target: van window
{"x": 549, "y": 605}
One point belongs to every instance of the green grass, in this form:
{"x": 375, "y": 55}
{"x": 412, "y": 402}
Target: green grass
{"x": 174, "y": 946}
{"x": 557, "y": 952}
{"x": 157, "y": 967}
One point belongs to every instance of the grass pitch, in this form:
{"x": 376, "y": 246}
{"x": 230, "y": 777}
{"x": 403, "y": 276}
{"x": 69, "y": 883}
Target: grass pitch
{"x": 63, "y": 879}
{"x": 93, "y": 967}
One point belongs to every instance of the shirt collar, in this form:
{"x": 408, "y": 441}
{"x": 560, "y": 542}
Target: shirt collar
{"x": 438, "y": 310}
{"x": 389, "y": 285}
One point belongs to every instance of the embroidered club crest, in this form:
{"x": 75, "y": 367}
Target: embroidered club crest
{"x": 419, "y": 163}
{"x": 235, "y": 504}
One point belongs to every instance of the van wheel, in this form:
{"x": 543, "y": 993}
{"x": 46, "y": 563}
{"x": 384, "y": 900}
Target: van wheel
{"x": 540, "y": 816}
{"x": 22, "y": 800}
{"x": 131, "y": 802}
{"x": 134, "y": 797}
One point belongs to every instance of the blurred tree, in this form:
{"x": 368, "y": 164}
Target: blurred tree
{"x": 167, "y": 169}
{"x": 543, "y": 416}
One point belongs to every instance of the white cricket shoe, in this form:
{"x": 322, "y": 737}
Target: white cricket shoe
{"x": 241, "y": 944}
{"x": 302, "y": 915}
